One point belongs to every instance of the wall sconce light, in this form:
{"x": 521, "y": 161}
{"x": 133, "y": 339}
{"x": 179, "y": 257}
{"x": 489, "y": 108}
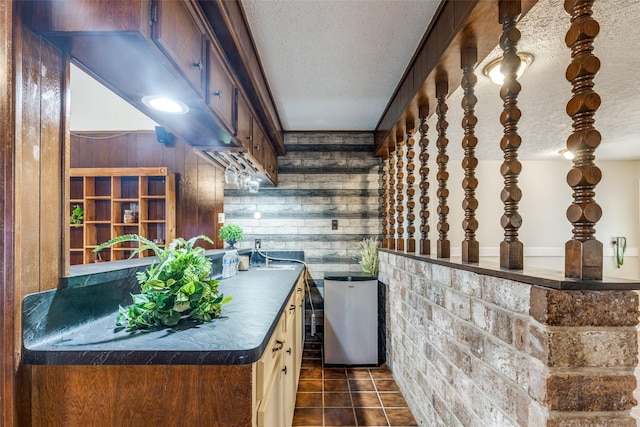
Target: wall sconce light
{"x": 492, "y": 69}
{"x": 566, "y": 154}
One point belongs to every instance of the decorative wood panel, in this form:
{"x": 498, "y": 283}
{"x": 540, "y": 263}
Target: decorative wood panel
{"x": 425, "y": 244}
{"x": 400, "y": 186}
{"x": 411, "y": 204}
{"x": 470, "y": 246}
{"x": 444, "y": 245}
{"x": 116, "y": 395}
{"x": 511, "y": 249}
{"x": 583, "y": 253}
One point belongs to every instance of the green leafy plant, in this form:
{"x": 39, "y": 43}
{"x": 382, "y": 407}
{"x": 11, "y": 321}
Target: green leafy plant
{"x": 77, "y": 215}
{"x": 177, "y": 286}
{"x": 368, "y": 258}
{"x": 231, "y": 233}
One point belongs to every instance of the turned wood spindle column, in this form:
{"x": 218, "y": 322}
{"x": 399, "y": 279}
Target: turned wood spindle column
{"x": 392, "y": 195}
{"x": 583, "y": 253}
{"x": 470, "y": 246}
{"x": 511, "y": 249}
{"x": 411, "y": 204}
{"x": 400, "y": 189}
{"x": 444, "y": 245}
{"x": 385, "y": 201}
{"x": 425, "y": 243}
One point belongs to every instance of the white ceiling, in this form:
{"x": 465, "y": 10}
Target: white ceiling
{"x": 334, "y": 64}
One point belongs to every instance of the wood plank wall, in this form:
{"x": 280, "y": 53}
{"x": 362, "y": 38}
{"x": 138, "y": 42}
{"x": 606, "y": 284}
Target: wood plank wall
{"x": 200, "y": 192}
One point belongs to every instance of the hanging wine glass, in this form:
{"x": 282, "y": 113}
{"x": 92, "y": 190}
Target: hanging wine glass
{"x": 243, "y": 179}
{"x": 231, "y": 175}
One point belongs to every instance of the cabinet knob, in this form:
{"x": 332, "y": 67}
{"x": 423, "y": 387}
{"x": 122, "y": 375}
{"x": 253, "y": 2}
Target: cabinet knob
{"x": 198, "y": 65}
{"x": 284, "y": 370}
{"x": 218, "y": 93}
{"x": 289, "y": 351}
{"x": 292, "y": 307}
{"x": 299, "y": 289}
{"x": 279, "y": 345}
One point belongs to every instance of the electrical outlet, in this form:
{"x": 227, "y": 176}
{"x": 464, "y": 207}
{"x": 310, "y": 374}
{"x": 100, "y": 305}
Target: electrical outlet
{"x": 334, "y": 224}
{"x": 257, "y": 243}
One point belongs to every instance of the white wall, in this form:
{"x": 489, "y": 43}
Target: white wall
{"x": 546, "y": 197}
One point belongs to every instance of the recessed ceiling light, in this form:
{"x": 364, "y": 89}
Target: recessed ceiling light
{"x": 492, "y": 69}
{"x": 166, "y": 105}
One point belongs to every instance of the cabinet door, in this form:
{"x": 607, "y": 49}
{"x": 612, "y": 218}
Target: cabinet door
{"x": 270, "y": 162}
{"x": 289, "y": 371}
{"x": 221, "y": 92}
{"x": 258, "y": 140}
{"x": 182, "y": 39}
{"x": 270, "y": 411}
{"x": 245, "y": 119}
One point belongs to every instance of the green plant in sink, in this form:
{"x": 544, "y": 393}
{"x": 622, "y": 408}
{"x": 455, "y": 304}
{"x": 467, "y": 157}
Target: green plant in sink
{"x": 175, "y": 287}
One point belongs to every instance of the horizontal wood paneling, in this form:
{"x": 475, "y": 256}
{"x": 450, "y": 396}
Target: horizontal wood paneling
{"x": 200, "y": 186}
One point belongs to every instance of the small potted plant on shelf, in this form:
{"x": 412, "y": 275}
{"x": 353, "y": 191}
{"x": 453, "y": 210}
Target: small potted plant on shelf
{"x": 368, "y": 257}
{"x": 177, "y": 287}
{"x": 231, "y": 233}
{"x": 77, "y": 215}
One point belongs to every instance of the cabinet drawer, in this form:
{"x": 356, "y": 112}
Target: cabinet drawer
{"x": 268, "y": 363}
{"x": 221, "y": 93}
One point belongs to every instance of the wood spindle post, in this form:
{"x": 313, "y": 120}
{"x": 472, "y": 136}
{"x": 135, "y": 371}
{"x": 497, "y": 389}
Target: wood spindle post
{"x": 444, "y": 245}
{"x": 425, "y": 243}
{"x": 470, "y": 246}
{"x": 511, "y": 249}
{"x": 392, "y": 194}
{"x": 583, "y": 253}
{"x": 411, "y": 204}
{"x": 400, "y": 185}
{"x": 385, "y": 200}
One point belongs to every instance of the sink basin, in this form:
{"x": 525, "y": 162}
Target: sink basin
{"x": 278, "y": 267}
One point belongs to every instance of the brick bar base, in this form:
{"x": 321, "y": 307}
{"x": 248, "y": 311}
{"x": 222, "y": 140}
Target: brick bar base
{"x": 473, "y": 349}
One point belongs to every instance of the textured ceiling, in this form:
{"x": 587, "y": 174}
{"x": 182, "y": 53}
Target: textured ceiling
{"x": 330, "y": 68}
{"x": 333, "y": 65}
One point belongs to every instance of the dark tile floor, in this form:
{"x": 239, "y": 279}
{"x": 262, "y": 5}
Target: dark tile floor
{"x": 346, "y": 396}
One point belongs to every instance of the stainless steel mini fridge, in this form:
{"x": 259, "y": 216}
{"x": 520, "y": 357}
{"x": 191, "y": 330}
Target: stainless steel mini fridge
{"x": 350, "y": 319}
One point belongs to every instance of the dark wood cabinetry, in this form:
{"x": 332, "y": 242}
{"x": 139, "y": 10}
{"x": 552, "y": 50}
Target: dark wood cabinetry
{"x": 182, "y": 38}
{"x": 140, "y": 48}
{"x": 221, "y": 91}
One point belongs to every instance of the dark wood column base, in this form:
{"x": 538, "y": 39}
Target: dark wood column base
{"x": 583, "y": 260}
{"x": 511, "y": 255}
{"x": 444, "y": 249}
{"x": 470, "y": 251}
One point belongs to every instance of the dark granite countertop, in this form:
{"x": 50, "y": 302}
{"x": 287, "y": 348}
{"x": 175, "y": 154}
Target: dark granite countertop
{"x": 77, "y": 326}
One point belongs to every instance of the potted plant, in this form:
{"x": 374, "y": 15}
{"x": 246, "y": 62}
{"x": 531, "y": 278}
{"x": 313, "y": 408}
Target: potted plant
{"x": 175, "y": 287}
{"x": 368, "y": 256}
{"x": 231, "y": 233}
{"x": 77, "y": 215}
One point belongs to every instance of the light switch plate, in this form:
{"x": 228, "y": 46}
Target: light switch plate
{"x": 334, "y": 224}
{"x": 221, "y": 218}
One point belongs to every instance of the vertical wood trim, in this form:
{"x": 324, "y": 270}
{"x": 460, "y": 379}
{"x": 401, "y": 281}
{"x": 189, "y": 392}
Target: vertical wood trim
{"x": 7, "y": 291}
{"x": 392, "y": 195}
{"x": 583, "y": 253}
{"x": 511, "y": 249}
{"x": 425, "y": 244}
{"x": 400, "y": 184}
{"x": 411, "y": 165}
{"x": 444, "y": 245}
{"x": 385, "y": 201}
{"x": 470, "y": 246}
{"x": 66, "y": 164}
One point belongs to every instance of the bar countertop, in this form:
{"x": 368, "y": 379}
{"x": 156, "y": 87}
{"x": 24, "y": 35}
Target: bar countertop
{"x": 77, "y": 326}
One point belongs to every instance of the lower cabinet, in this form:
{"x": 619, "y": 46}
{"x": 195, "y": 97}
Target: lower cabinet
{"x": 278, "y": 371}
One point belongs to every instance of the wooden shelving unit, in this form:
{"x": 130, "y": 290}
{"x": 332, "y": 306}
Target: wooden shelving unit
{"x": 148, "y": 196}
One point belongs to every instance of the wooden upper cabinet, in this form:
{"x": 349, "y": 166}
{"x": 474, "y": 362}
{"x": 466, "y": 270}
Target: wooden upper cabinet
{"x": 258, "y": 142}
{"x": 182, "y": 38}
{"x": 270, "y": 162}
{"x": 245, "y": 121}
{"x": 221, "y": 94}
